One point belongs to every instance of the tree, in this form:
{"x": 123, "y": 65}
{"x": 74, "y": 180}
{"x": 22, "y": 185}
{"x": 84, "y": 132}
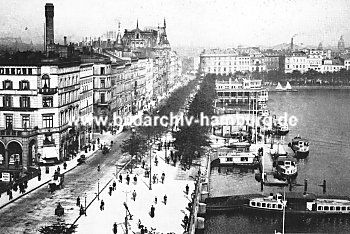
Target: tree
{"x": 59, "y": 228}
{"x": 135, "y": 145}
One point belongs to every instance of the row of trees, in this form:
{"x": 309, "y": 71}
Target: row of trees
{"x": 191, "y": 140}
{"x": 139, "y": 141}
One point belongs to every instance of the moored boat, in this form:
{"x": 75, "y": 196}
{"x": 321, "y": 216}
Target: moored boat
{"x": 286, "y": 167}
{"x": 294, "y": 203}
{"x": 300, "y": 147}
{"x": 240, "y": 156}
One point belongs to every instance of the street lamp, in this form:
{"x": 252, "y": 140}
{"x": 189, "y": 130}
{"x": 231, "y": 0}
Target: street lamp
{"x": 85, "y": 204}
{"x": 150, "y": 162}
{"x": 98, "y": 189}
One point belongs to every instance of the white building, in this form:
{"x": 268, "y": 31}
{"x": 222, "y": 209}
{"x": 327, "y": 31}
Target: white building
{"x": 296, "y": 61}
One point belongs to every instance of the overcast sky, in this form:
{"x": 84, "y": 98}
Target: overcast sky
{"x": 189, "y": 22}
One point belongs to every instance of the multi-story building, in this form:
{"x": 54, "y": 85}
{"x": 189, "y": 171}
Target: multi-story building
{"x": 332, "y": 65}
{"x": 296, "y": 61}
{"x": 39, "y": 103}
{"x": 86, "y": 108}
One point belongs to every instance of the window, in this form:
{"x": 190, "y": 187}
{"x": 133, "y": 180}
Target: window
{"x": 263, "y": 204}
{"x": 253, "y": 203}
{"x": 7, "y": 101}
{"x": 8, "y": 121}
{"x": 48, "y": 101}
{"x": 348, "y": 208}
{"x": 24, "y": 101}
{"x": 279, "y": 206}
{"x": 47, "y": 121}
{"x": 343, "y": 208}
{"x": 337, "y": 208}
{"x": 331, "y": 208}
{"x": 326, "y": 208}
{"x": 24, "y": 85}
{"x": 103, "y": 83}
{"x": 103, "y": 97}
{"x": 48, "y": 139}
{"x": 274, "y": 206}
{"x": 102, "y": 70}
{"x": 25, "y": 121}
{"x": 258, "y": 204}
{"x": 319, "y": 208}
{"x": 7, "y": 84}
{"x": 45, "y": 81}
{"x": 229, "y": 159}
{"x": 24, "y": 71}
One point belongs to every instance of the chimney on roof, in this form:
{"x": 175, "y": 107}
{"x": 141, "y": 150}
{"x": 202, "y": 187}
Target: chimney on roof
{"x": 291, "y": 45}
{"x": 65, "y": 40}
{"x": 49, "y": 29}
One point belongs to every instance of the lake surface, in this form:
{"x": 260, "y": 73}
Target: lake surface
{"x": 323, "y": 118}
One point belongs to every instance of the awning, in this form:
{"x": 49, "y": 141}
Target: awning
{"x": 50, "y": 154}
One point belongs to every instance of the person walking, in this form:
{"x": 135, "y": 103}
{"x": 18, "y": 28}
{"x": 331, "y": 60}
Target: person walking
{"x": 155, "y": 200}
{"x": 115, "y": 228}
{"x": 143, "y": 163}
{"x": 152, "y": 211}
{"x": 110, "y": 190}
{"x": 134, "y": 195}
{"x": 114, "y": 185}
{"x": 154, "y": 178}
{"x": 163, "y": 177}
{"x": 187, "y": 189}
{"x": 78, "y": 201}
{"x": 64, "y": 165}
{"x": 135, "y": 179}
{"x": 120, "y": 178}
{"x": 102, "y": 206}
{"x": 127, "y": 179}
{"x": 165, "y": 199}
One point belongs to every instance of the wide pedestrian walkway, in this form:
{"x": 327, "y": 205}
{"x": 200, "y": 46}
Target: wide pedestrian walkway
{"x": 168, "y": 217}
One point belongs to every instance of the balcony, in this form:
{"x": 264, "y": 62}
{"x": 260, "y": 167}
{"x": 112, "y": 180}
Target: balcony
{"x": 48, "y": 91}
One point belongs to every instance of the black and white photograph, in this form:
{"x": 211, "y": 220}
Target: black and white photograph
{"x": 174, "y": 117}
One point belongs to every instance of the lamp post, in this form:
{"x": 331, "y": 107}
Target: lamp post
{"x": 150, "y": 162}
{"x": 85, "y": 204}
{"x": 98, "y": 189}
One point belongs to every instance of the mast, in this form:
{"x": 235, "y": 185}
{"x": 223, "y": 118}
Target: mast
{"x": 284, "y": 209}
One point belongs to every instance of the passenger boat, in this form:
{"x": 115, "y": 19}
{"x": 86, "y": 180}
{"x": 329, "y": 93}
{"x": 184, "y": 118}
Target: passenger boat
{"x": 300, "y": 147}
{"x": 240, "y": 156}
{"x": 299, "y": 203}
{"x": 282, "y": 129}
{"x": 286, "y": 167}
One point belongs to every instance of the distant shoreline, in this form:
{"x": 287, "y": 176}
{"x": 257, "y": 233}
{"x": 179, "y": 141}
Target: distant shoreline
{"x": 313, "y": 87}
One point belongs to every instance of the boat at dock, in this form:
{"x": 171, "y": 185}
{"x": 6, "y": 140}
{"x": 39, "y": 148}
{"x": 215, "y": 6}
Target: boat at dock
{"x": 286, "y": 167}
{"x": 240, "y": 155}
{"x": 300, "y": 147}
{"x": 294, "y": 203}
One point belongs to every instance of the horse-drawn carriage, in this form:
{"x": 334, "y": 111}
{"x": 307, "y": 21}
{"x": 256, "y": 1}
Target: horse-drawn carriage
{"x": 56, "y": 182}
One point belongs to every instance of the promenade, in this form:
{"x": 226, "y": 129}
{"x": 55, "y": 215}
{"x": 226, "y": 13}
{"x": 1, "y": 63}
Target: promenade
{"x": 34, "y": 183}
{"x": 168, "y": 217}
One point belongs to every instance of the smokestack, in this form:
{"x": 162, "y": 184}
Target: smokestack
{"x": 49, "y": 13}
{"x": 291, "y": 45}
{"x": 64, "y": 40}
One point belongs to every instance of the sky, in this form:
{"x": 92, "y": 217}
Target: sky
{"x": 214, "y": 23}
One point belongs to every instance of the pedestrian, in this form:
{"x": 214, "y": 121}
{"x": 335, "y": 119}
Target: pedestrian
{"x": 134, "y": 195}
{"x": 81, "y": 211}
{"x": 186, "y": 220}
{"x": 110, "y": 190}
{"x": 157, "y": 178}
{"x": 98, "y": 140}
{"x": 65, "y": 165}
{"x": 155, "y": 200}
{"x": 114, "y": 185}
{"x": 143, "y": 163}
{"x": 187, "y": 189}
{"x": 163, "y": 177}
{"x": 120, "y": 178}
{"x": 58, "y": 169}
{"x": 165, "y": 199}
{"x": 156, "y": 161}
{"x": 152, "y": 211}
{"x": 78, "y": 201}
{"x": 154, "y": 178}
{"x": 98, "y": 167}
{"x": 127, "y": 179}
{"x": 135, "y": 179}
{"x": 115, "y": 228}
{"x": 10, "y": 194}
{"x": 102, "y": 206}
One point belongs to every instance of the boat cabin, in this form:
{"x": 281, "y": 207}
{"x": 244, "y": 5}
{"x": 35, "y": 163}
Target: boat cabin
{"x": 273, "y": 202}
{"x": 331, "y": 206}
{"x": 238, "y": 155}
{"x": 286, "y": 165}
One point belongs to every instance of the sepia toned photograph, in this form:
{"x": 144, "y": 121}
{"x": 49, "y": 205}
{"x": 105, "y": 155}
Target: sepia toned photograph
{"x": 174, "y": 117}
